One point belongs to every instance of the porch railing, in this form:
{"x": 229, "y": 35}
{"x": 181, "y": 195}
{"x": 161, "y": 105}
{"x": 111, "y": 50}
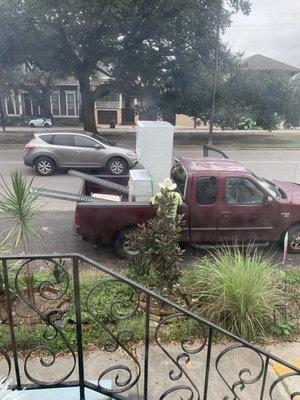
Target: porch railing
{"x": 39, "y": 293}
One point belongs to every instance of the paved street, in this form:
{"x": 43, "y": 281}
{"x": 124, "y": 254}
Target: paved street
{"x": 272, "y": 164}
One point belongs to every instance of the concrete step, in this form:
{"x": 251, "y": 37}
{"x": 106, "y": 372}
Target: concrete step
{"x": 67, "y": 393}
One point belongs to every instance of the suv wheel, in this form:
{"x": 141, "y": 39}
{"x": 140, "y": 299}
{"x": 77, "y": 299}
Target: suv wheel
{"x": 46, "y": 125}
{"x": 31, "y": 125}
{"x": 117, "y": 166}
{"x": 44, "y": 166}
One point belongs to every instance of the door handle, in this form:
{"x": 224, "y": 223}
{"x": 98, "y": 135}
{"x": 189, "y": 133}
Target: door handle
{"x": 79, "y": 151}
{"x": 225, "y": 213}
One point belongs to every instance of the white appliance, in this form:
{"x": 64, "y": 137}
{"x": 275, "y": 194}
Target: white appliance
{"x": 154, "y": 147}
{"x": 140, "y": 185}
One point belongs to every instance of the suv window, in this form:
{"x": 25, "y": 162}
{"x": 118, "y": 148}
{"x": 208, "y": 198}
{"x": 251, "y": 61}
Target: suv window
{"x": 242, "y": 191}
{"x": 83, "y": 141}
{"x": 47, "y": 138}
{"x": 206, "y": 190}
{"x": 63, "y": 140}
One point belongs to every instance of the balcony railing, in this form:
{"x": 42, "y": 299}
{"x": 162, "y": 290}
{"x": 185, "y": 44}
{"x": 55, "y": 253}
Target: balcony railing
{"x": 48, "y": 296}
{"x": 108, "y": 104}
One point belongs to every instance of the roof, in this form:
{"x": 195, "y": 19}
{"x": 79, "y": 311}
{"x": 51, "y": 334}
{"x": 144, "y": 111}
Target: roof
{"x": 259, "y": 62}
{"x": 212, "y": 165}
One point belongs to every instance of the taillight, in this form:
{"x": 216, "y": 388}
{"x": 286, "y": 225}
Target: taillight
{"x": 77, "y": 220}
{"x": 29, "y": 146}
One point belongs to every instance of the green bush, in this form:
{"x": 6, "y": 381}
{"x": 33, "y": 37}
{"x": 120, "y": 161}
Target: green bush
{"x": 234, "y": 290}
{"x": 159, "y": 258}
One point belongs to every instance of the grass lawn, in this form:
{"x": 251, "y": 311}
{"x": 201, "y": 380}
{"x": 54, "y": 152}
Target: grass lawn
{"x": 281, "y": 139}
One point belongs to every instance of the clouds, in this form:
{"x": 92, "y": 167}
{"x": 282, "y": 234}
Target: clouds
{"x": 272, "y": 29}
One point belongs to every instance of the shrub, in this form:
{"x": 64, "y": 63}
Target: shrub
{"x": 158, "y": 262}
{"x": 235, "y": 290}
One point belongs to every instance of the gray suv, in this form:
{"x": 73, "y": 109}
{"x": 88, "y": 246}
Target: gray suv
{"x": 48, "y": 151}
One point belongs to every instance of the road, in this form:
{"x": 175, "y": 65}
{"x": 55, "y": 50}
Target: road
{"x": 55, "y": 217}
{"x": 272, "y": 164}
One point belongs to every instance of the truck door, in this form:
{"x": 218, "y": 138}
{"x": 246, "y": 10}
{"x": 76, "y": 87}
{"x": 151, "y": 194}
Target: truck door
{"x": 244, "y": 214}
{"x": 204, "y": 208}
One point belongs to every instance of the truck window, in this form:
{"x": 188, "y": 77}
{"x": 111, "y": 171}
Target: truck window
{"x": 179, "y": 176}
{"x": 206, "y": 190}
{"x": 242, "y": 191}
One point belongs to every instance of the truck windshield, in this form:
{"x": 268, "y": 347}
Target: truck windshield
{"x": 270, "y": 187}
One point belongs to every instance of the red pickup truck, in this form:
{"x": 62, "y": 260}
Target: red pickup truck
{"x": 224, "y": 202}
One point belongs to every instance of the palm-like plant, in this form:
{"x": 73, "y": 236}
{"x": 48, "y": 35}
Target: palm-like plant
{"x": 19, "y": 203}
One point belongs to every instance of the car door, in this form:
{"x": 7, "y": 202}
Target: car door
{"x": 244, "y": 214}
{"x": 63, "y": 150}
{"x": 204, "y": 208}
{"x": 87, "y": 155}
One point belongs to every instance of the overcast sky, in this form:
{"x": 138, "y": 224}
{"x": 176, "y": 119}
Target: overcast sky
{"x": 272, "y": 29}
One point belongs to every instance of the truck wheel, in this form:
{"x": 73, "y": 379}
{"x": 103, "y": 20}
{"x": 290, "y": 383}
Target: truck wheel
{"x": 122, "y": 246}
{"x": 44, "y": 166}
{"x": 294, "y": 240}
{"x": 117, "y": 166}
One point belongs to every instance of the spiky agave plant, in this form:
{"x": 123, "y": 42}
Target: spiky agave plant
{"x": 19, "y": 203}
{"x": 6, "y": 394}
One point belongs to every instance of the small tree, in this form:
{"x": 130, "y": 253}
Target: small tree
{"x": 158, "y": 262}
{"x": 19, "y": 203}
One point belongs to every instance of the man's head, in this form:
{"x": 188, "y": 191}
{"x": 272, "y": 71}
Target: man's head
{"x": 167, "y": 183}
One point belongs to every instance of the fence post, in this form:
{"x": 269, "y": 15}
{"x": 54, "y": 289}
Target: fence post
{"x": 208, "y": 357}
{"x": 78, "y": 326}
{"x": 147, "y": 340}
{"x": 11, "y": 323}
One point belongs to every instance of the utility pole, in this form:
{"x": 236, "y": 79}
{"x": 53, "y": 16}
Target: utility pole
{"x": 215, "y": 76}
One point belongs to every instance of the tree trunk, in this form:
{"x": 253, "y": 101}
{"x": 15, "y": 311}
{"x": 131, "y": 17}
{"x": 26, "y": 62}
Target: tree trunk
{"x": 87, "y": 104}
{"x": 44, "y": 102}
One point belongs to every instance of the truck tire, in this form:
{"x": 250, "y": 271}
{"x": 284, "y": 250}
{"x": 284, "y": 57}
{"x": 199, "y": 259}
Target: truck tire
{"x": 294, "y": 240}
{"x": 44, "y": 166}
{"x": 121, "y": 245}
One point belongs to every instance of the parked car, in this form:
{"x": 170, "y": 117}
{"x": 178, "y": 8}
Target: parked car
{"x": 45, "y": 122}
{"x": 246, "y": 124}
{"x": 224, "y": 202}
{"x": 48, "y": 151}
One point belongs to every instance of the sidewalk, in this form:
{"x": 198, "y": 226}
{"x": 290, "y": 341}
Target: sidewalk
{"x": 233, "y": 367}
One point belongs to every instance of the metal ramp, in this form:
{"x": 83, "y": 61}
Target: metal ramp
{"x": 55, "y": 194}
{"x": 99, "y": 181}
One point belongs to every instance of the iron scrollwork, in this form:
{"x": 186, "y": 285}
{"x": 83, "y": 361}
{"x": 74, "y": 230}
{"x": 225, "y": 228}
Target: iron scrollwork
{"x": 49, "y": 317}
{"x": 243, "y": 373}
{"x": 279, "y": 380}
{"x": 182, "y": 358}
{"x": 117, "y": 340}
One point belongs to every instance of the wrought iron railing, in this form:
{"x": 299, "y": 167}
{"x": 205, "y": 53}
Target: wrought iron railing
{"x": 39, "y": 293}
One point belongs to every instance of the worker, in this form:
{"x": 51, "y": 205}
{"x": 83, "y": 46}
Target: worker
{"x": 170, "y": 186}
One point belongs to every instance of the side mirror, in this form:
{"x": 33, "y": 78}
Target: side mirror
{"x": 97, "y": 147}
{"x": 269, "y": 201}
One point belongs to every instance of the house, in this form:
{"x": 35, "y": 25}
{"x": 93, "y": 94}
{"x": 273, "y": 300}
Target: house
{"x": 258, "y": 62}
{"x": 65, "y": 102}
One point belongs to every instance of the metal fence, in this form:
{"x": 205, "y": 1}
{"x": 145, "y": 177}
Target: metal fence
{"x": 37, "y": 294}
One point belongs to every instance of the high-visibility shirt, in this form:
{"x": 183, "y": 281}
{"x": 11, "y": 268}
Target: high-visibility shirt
{"x": 176, "y": 201}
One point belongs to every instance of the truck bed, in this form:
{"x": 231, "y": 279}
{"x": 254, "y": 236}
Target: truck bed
{"x": 103, "y": 222}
